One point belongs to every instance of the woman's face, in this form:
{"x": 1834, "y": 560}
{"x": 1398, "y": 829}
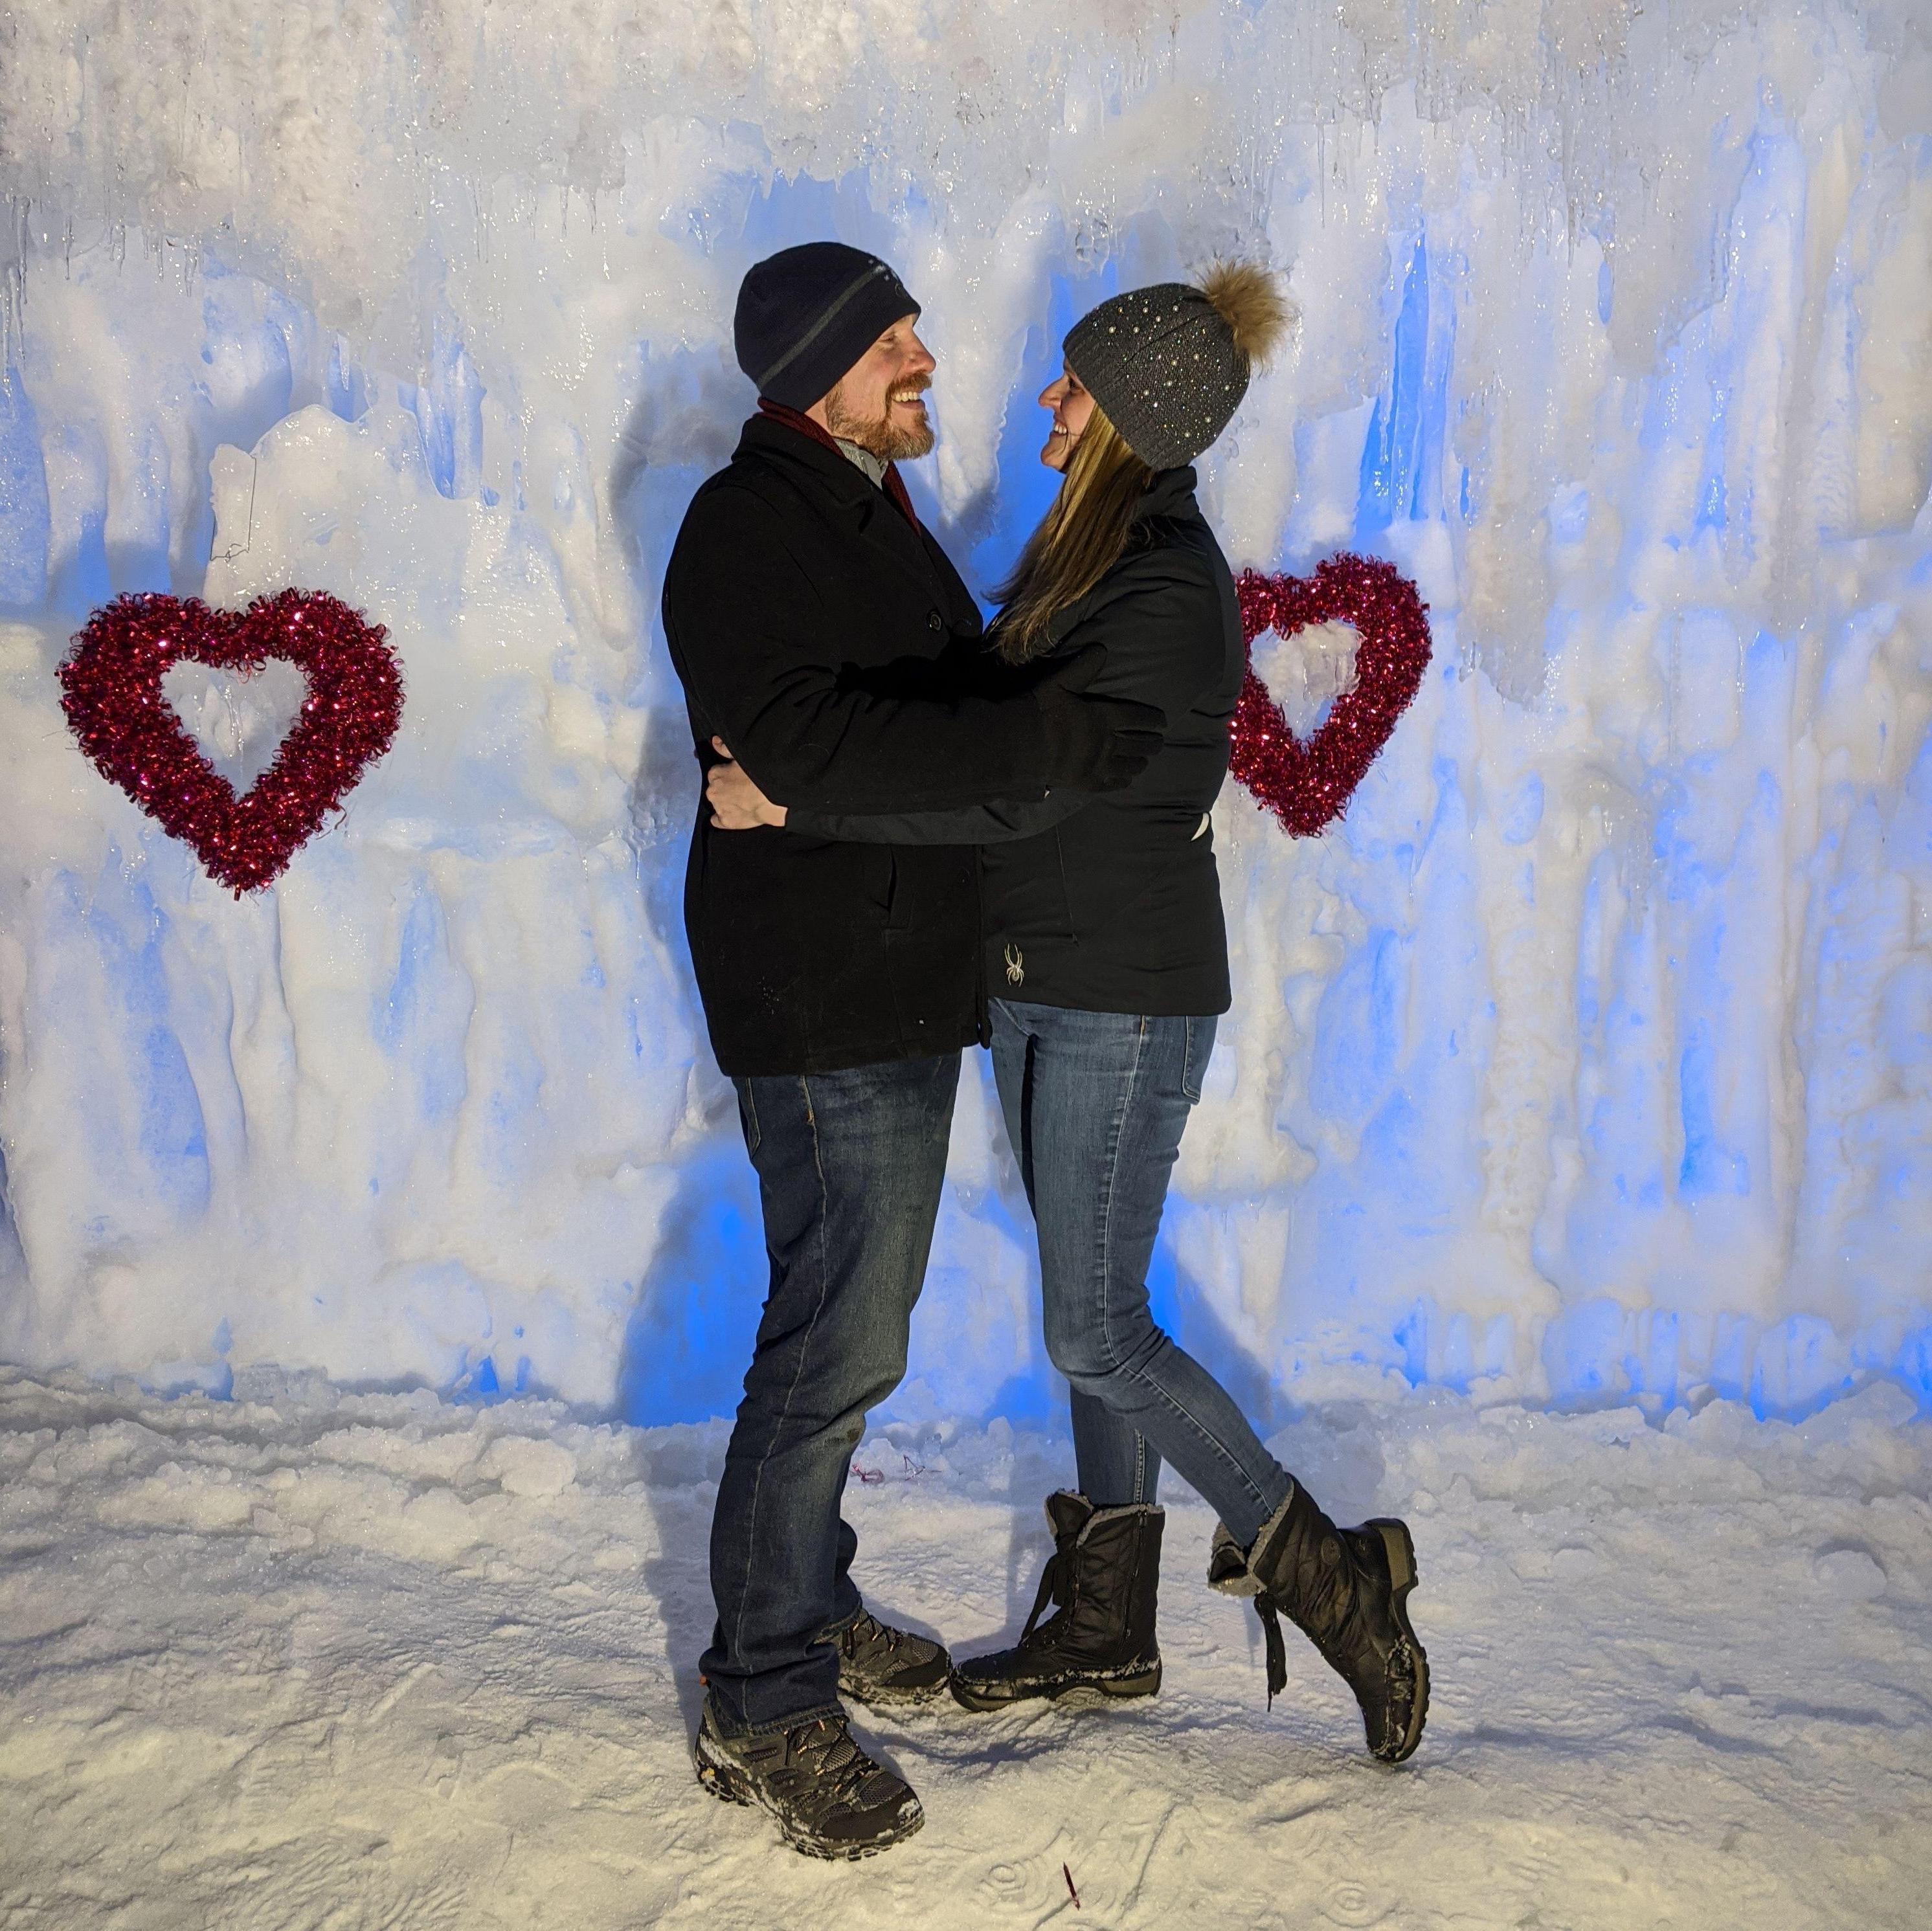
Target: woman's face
{"x": 1073, "y": 406}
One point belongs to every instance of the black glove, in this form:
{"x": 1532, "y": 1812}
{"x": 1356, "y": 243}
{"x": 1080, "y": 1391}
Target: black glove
{"x": 1095, "y": 744}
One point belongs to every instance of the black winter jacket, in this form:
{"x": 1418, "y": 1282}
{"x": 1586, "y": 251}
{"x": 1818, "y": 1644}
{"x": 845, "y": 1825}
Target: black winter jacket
{"x": 1113, "y": 903}
{"x": 805, "y": 614}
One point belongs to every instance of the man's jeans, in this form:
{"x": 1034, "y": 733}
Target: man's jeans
{"x": 1095, "y": 1103}
{"x": 850, "y": 1166}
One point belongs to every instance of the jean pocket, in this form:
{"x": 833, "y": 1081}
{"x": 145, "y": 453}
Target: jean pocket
{"x": 1198, "y": 1050}
{"x": 748, "y": 1115}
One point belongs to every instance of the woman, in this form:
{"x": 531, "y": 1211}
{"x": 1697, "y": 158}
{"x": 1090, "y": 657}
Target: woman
{"x": 1105, "y": 940}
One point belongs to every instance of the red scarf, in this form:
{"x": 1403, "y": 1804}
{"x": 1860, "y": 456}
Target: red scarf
{"x": 891, "y": 483}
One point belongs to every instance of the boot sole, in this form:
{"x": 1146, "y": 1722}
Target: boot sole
{"x": 1079, "y": 1692}
{"x": 728, "y": 1782}
{"x": 1399, "y": 1547}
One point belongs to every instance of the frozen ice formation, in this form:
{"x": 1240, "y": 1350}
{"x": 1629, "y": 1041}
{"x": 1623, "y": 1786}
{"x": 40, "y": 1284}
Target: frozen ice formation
{"x": 1589, "y": 1060}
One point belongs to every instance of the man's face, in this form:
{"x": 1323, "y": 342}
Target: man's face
{"x": 877, "y": 403}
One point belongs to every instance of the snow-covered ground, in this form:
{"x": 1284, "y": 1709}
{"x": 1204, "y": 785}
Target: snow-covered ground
{"x": 1590, "y": 1057}
{"x": 305, "y": 1659}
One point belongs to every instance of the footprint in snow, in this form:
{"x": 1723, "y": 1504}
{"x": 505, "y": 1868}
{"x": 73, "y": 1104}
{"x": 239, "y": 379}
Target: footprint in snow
{"x": 1573, "y": 1560}
{"x": 1347, "y": 1902}
{"x": 1850, "y": 1571}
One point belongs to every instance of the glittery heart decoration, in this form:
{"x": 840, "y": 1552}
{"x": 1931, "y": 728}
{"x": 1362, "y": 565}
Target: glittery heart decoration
{"x": 1307, "y": 785}
{"x": 111, "y": 689}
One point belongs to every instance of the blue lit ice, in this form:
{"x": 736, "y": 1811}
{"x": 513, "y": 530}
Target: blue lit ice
{"x": 1587, "y": 1062}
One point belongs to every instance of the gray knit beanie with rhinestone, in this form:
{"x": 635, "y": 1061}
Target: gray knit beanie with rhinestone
{"x": 1169, "y": 364}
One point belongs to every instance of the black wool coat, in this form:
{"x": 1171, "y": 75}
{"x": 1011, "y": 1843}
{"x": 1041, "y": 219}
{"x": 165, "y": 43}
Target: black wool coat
{"x": 808, "y": 619}
{"x": 1112, "y": 903}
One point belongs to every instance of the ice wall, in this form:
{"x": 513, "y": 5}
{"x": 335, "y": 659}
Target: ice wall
{"x": 1591, "y": 1055}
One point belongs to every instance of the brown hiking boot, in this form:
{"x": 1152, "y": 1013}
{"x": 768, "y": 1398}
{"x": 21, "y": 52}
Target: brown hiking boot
{"x": 880, "y": 1665}
{"x": 830, "y": 1799}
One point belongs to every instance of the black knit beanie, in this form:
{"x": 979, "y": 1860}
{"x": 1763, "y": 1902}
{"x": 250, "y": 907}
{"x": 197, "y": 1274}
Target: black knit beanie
{"x": 1163, "y": 363}
{"x": 806, "y": 314}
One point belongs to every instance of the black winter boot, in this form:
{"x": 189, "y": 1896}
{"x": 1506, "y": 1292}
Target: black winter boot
{"x": 1347, "y": 1590}
{"x": 1099, "y": 1648}
{"x": 880, "y": 1665}
{"x": 831, "y": 1800}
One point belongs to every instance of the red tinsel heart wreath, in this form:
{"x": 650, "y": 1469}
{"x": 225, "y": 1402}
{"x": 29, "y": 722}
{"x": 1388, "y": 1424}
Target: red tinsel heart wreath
{"x": 1306, "y": 786}
{"x": 112, "y": 694}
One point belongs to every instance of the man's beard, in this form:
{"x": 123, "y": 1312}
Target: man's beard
{"x": 880, "y": 436}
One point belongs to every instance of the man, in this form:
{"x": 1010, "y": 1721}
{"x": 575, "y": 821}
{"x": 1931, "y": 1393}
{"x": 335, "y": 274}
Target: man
{"x": 817, "y": 629}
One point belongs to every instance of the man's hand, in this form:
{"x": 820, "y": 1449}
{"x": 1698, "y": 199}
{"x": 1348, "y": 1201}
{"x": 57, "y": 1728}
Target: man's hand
{"x": 737, "y": 804}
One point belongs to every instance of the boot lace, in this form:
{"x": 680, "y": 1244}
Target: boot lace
{"x": 827, "y": 1763}
{"x": 861, "y": 1639}
{"x": 1056, "y": 1587}
{"x": 1328, "y": 1600}
{"x": 1269, "y": 1611}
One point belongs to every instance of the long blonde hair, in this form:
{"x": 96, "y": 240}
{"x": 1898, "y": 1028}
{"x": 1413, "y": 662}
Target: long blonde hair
{"x": 1078, "y": 542}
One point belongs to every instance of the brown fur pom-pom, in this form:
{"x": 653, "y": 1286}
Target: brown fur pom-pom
{"x": 1250, "y": 300}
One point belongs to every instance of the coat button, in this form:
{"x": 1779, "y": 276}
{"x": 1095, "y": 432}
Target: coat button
{"x": 933, "y": 622}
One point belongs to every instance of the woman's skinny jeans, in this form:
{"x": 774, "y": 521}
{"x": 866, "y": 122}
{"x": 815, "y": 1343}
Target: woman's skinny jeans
{"x": 1095, "y": 1103}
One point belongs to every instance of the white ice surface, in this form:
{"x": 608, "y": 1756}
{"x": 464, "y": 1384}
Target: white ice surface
{"x": 386, "y": 1664}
